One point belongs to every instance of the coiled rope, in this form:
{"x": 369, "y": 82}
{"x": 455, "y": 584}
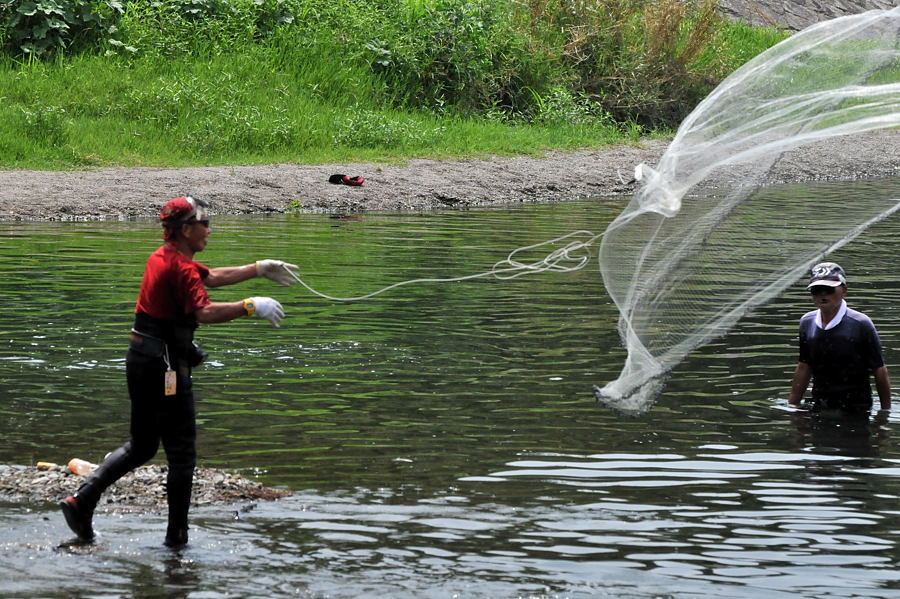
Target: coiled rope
{"x": 571, "y": 257}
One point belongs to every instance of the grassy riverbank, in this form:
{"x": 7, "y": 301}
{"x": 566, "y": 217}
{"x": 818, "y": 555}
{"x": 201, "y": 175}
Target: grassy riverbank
{"x": 213, "y": 82}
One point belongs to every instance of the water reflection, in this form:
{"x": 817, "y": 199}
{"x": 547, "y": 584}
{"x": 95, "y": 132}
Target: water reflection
{"x": 178, "y": 578}
{"x": 860, "y": 436}
{"x": 443, "y": 441}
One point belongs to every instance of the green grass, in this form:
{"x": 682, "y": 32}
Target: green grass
{"x": 736, "y": 43}
{"x": 95, "y": 111}
{"x": 346, "y": 81}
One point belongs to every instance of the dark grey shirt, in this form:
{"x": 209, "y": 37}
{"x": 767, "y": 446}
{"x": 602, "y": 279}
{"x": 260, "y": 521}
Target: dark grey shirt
{"x": 841, "y": 359}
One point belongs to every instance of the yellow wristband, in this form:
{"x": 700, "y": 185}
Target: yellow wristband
{"x": 250, "y": 307}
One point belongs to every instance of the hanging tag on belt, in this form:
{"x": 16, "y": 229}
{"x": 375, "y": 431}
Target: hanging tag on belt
{"x": 171, "y": 380}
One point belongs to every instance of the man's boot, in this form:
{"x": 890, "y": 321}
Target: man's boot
{"x": 176, "y": 536}
{"x": 178, "y": 493}
{"x": 79, "y": 508}
{"x": 79, "y": 515}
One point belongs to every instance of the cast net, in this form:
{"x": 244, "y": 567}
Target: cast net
{"x": 707, "y": 237}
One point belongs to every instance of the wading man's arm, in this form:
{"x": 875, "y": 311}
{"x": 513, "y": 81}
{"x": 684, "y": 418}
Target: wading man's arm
{"x": 799, "y": 383}
{"x": 883, "y": 386}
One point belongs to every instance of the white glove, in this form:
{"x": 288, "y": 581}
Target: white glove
{"x": 283, "y": 273}
{"x": 264, "y": 307}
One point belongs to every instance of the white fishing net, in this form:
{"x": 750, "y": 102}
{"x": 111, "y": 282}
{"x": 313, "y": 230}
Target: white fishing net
{"x": 704, "y": 239}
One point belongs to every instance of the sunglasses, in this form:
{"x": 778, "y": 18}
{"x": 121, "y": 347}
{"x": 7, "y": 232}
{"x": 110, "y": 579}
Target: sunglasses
{"x": 204, "y": 222}
{"x": 819, "y": 289}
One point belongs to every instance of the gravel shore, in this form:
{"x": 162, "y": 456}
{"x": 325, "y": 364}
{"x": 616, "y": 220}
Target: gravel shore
{"x": 118, "y": 193}
{"x": 121, "y": 193}
{"x": 141, "y": 490}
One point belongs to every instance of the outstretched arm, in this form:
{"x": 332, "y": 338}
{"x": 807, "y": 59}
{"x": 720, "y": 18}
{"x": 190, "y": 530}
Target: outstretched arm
{"x": 883, "y": 385}
{"x": 799, "y": 383}
{"x": 229, "y": 275}
{"x": 283, "y": 273}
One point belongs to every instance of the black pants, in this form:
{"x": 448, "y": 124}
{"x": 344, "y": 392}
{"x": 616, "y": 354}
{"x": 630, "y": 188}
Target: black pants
{"x": 155, "y": 417}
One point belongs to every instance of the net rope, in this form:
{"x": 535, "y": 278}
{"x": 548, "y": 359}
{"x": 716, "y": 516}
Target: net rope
{"x": 572, "y": 256}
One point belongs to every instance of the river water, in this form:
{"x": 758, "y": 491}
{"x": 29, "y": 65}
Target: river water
{"x": 442, "y": 440}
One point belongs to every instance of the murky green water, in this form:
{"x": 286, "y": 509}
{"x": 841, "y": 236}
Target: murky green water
{"x": 442, "y": 440}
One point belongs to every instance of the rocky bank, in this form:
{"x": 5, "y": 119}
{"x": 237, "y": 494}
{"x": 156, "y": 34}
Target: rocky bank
{"x": 799, "y": 14}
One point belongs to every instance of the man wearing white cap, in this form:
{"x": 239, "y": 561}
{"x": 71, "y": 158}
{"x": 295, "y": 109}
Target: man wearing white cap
{"x": 171, "y": 303}
{"x": 839, "y": 350}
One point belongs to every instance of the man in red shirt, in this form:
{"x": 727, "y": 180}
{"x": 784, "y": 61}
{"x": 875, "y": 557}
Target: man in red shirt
{"x": 171, "y": 303}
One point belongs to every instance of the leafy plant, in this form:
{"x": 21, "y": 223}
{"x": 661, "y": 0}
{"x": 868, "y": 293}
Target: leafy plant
{"x": 202, "y": 27}
{"x": 40, "y": 27}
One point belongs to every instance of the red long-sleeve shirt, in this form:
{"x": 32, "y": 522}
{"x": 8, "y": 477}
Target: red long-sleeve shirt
{"x": 172, "y": 288}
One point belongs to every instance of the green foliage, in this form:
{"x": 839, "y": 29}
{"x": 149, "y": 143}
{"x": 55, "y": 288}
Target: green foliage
{"x": 466, "y": 55}
{"x": 734, "y": 44}
{"x": 200, "y": 27}
{"x": 643, "y": 61}
{"x": 42, "y": 27}
{"x": 217, "y": 81}
{"x": 560, "y": 106}
{"x": 636, "y": 58}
